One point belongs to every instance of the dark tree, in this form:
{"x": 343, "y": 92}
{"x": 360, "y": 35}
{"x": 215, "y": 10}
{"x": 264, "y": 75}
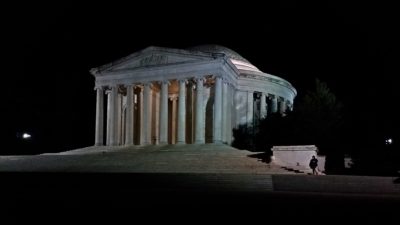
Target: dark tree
{"x": 317, "y": 119}
{"x": 320, "y": 121}
{"x": 320, "y": 117}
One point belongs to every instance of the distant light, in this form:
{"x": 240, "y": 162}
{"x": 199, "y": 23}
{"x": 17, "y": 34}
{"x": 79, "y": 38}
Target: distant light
{"x": 389, "y": 141}
{"x": 26, "y": 136}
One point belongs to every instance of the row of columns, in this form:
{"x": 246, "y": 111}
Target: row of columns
{"x": 220, "y": 127}
{"x": 277, "y": 104}
{"x": 250, "y": 110}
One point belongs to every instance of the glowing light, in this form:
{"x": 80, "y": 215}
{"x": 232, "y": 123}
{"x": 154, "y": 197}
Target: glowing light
{"x": 26, "y": 136}
{"x": 389, "y": 141}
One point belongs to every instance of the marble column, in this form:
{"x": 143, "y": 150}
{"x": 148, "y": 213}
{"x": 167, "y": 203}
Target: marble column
{"x": 173, "y": 98}
{"x": 217, "y": 137}
{"x": 290, "y": 106}
{"x": 129, "y": 121}
{"x": 164, "y": 113}
{"x": 199, "y": 132}
{"x": 263, "y": 106}
{"x": 232, "y": 113}
{"x": 108, "y": 131}
{"x": 113, "y": 116}
{"x": 250, "y": 107}
{"x": 225, "y": 111}
{"x": 282, "y": 106}
{"x": 274, "y": 104}
{"x": 99, "y": 116}
{"x": 182, "y": 113}
{"x": 190, "y": 113}
{"x": 147, "y": 113}
{"x": 141, "y": 116}
{"x": 119, "y": 118}
{"x": 238, "y": 108}
{"x": 157, "y": 118}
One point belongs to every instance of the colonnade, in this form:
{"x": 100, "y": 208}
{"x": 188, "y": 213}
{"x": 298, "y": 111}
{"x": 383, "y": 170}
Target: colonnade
{"x": 164, "y": 112}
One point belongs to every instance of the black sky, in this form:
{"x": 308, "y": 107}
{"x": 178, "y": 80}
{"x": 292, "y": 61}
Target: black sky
{"x": 49, "y": 50}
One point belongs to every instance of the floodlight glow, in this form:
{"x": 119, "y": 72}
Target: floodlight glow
{"x": 26, "y": 136}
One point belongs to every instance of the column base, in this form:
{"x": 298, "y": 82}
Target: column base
{"x": 199, "y": 142}
{"x": 181, "y": 143}
{"x": 98, "y": 144}
{"x": 217, "y": 142}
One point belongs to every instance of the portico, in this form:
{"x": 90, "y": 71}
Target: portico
{"x": 174, "y": 96}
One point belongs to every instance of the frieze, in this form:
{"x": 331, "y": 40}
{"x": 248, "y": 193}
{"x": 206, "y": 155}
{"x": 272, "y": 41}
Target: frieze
{"x": 154, "y": 60}
{"x": 257, "y": 77}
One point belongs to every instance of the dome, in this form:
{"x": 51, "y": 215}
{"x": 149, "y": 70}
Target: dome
{"x": 218, "y": 49}
{"x": 240, "y": 62}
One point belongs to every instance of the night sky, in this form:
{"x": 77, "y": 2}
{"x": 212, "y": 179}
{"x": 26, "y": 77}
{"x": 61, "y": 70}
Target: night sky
{"x": 49, "y": 50}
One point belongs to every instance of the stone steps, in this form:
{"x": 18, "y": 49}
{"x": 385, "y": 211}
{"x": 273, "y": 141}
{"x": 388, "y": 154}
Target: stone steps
{"x": 202, "y": 158}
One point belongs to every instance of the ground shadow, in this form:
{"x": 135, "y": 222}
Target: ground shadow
{"x": 264, "y": 157}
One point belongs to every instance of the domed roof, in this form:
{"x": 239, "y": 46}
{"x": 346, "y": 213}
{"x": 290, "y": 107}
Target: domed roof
{"x": 218, "y": 49}
{"x": 240, "y": 62}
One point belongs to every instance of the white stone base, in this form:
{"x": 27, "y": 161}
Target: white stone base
{"x": 297, "y": 156}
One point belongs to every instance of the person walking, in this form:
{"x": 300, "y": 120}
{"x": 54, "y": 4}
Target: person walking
{"x": 314, "y": 165}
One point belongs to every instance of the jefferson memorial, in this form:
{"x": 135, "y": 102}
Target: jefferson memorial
{"x": 183, "y": 96}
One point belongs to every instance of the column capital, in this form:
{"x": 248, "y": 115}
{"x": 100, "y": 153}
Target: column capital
{"x": 225, "y": 80}
{"x": 164, "y": 82}
{"x": 98, "y": 88}
{"x": 173, "y": 97}
{"x": 199, "y": 79}
{"x": 183, "y": 80}
{"x": 217, "y": 75}
{"x": 129, "y": 85}
{"x": 230, "y": 84}
{"x": 149, "y": 84}
{"x": 112, "y": 86}
{"x": 139, "y": 86}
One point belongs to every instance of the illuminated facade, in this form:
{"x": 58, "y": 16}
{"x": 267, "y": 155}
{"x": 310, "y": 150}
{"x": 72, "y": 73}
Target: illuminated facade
{"x": 183, "y": 96}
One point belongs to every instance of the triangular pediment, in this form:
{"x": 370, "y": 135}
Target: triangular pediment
{"x": 154, "y": 56}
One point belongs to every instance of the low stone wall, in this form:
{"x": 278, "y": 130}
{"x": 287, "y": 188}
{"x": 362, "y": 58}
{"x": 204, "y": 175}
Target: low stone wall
{"x": 297, "y": 156}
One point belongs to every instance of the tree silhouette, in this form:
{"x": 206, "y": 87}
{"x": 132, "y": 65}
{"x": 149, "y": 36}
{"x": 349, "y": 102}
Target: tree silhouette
{"x": 320, "y": 121}
{"x": 317, "y": 119}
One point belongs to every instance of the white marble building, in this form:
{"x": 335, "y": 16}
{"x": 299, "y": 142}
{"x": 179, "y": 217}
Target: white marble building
{"x": 183, "y": 96}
